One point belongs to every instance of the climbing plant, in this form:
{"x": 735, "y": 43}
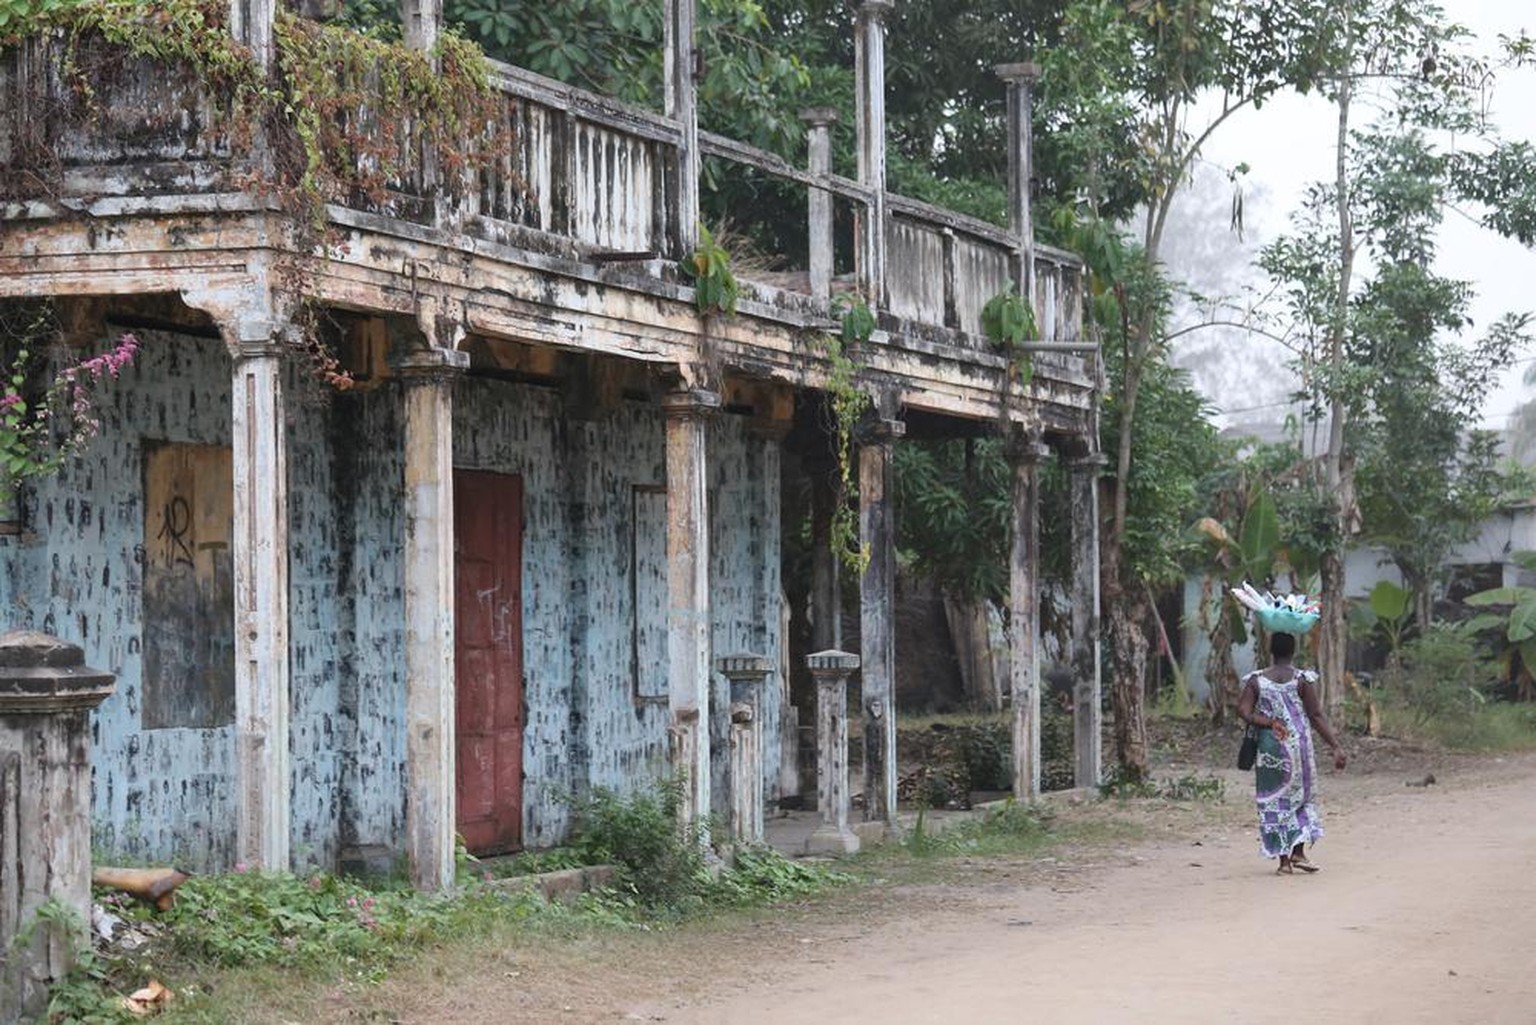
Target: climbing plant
{"x": 714, "y": 285}
{"x": 847, "y": 406}
{"x": 1008, "y": 321}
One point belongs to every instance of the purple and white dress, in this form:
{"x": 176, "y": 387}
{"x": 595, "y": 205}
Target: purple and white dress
{"x": 1285, "y": 775}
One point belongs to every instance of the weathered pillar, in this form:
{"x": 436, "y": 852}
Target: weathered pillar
{"x": 430, "y": 811}
{"x": 681, "y": 105}
{"x": 250, "y": 21}
{"x": 688, "y": 614}
{"x": 260, "y": 560}
{"x": 826, "y": 571}
{"x": 831, "y": 670}
{"x": 869, "y": 74}
{"x": 819, "y": 122}
{"x": 1025, "y": 454}
{"x": 746, "y": 673}
{"x": 1087, "y": 703}
{"x": 421, "y": 22}
{"x": 1020, "y": 79}
{"x": 46, "y": 697}
{"x": 877, "y": 629}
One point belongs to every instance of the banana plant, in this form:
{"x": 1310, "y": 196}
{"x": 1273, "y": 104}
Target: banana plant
{"x": 1252, "y": 555}
{"x": 1512, "y": 614}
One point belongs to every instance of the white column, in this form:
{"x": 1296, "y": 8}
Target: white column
{"x": 1087, "y": 703}
{"x": 260, "y": 557}
{"x": 819, "y": 122}
{"x": 831, "y": 670}
{"x": 869, "y": 74}
{"x": 1026, "y": 453}
{"x": 688, "y": 611}
{"x": 421, "y": 22}
{"x": 1020, "y": 79}
{"x": 681, "y": 105}
{"x": 430, "y": 810}
{"x": 877, "y": 604}
{"x": 250, "y": 22}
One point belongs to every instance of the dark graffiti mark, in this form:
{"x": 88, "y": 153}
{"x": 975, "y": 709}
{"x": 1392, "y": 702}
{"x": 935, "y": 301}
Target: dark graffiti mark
{"x": 176, "y": 530}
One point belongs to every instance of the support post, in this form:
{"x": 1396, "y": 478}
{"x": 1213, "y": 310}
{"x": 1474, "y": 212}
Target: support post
{"x": 421, "y": 22}
{"x": 260, "y": 558}
{"x": 1025, "y": 454}
{"x": 747, "y": 674}
{"x": 831, "y": 670}
{"x": 250, "y": 22}
{"x": 682, "y": 106}
{"x": 1020, "y": 79}
{"x": 819, "y": 122}
{"x": 688, "y": 617}
{"x": 46, "y": 696}
{"x": 431, "y": 817}
{"x": 869, "y": 75}
{"x": 1087, "y": 701}
{"x": 877, "y": 596}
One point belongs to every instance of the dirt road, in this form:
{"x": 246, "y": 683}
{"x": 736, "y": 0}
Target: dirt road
{"x": 1425, "y": 911}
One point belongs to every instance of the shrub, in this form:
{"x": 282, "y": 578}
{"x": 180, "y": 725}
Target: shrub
{"x": 641, "y": 837}
{"x": 1439, "y": 677}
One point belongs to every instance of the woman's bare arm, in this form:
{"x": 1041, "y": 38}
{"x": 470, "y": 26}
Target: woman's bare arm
{"x": 1319, "y": 720}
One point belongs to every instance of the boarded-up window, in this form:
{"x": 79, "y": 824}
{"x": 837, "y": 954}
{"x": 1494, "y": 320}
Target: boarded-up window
{"x": 648, "y": 577}
{"x": 189, "y": 596}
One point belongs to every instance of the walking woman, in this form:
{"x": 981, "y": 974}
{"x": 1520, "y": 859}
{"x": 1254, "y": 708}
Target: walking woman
{"x": 1282, "y": 701}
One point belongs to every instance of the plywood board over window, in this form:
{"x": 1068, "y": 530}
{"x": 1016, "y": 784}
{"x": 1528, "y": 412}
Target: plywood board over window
{"x": 189, "y": 597}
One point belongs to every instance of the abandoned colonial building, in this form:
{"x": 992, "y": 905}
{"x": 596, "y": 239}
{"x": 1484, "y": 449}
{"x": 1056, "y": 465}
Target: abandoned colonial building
{"x": 535, "y": 539}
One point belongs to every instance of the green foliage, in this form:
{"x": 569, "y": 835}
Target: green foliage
{"x": 1121, "y": 784}
{"x": 1008, "y": 321}
{"x": 641, "y": 836}
{"x": 1010, "y": 828}
{"x": 761, "y": 875}
{"x": 848, "y": 404}
{"x": 954, "y": 506}
{"x": 709, "y": 266}
{"x": 1511, "y": 622}
{"x": 1439, "y": 678}
{"x": 856, "y": 318}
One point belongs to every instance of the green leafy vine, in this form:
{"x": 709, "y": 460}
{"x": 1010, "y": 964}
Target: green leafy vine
{"x": 1008, "y": 321}
{"x": 715, "y": 288}
{"x": 848, "y": 406}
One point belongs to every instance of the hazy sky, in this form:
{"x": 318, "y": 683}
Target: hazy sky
{"x": 1290, "y": 144}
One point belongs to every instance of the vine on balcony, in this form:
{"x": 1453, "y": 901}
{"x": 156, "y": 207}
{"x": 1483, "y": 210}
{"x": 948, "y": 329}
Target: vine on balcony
{"x": 1008, "y": 321}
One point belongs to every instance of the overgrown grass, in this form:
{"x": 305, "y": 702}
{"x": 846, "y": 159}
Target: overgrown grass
{"x": 1188, "y": 787}
{"x": 1495, "y": 726}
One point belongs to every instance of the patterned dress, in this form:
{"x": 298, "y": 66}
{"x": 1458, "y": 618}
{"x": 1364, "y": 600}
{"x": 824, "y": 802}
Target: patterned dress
{"x": 1285, "y": 775}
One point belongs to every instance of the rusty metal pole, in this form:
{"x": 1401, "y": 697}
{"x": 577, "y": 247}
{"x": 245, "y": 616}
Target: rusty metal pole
{"x": 688, "y": 615}
{"x": 260, "y": 562}
{"x": 831, "y": 670}
{"x": 869, "y": 75}
{"x": 1025, "y": 453}
{"x": 46, "y": 696}
{"x": 877, "y": 628}
{"x": 747, "y": 674}
{"x": 430, "y": 728}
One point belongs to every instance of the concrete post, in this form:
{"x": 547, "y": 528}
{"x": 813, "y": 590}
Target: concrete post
{"x": 682, "y": 106}
{"x": 688, "y": 617}
{"x": 877, "y": 629}
{"x": 1020, "y": 79}
{"x": 747, "y": 674}
{"x": 250, "y": 22}
{"x": 831, "y": 670}
{"x": 1087, "y": 704}
{"x": 46, "y": 697}
{"x": 1025, "y": 453}
{"x": 430, "y": 811}
{"x": 869, "y": 74}
{"x": 819, "y": 122}
{"x": 260, "y": 559}
{"x": 421, "y": 22}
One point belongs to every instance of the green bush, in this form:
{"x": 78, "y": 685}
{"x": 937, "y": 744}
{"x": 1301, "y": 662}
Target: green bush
{"x": 1439, "y": 677}
{"x": 640, "y": 835}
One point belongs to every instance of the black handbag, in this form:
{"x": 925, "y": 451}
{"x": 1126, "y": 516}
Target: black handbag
{"x": 1248, "y": 753}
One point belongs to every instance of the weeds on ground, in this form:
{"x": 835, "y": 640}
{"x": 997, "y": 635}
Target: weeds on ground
{"x": 1188, "y": 787}
{"x": 1010, "y": 828}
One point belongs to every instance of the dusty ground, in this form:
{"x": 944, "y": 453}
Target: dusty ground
{"x": 1423, "y": 912}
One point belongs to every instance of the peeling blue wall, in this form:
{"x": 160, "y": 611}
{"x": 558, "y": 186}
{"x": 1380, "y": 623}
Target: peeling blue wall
{"x": 170, "y": 793}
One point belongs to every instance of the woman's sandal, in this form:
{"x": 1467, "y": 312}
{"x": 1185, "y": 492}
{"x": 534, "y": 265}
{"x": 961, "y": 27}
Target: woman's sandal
{"x": 1285, "y": 867}
{"x": 1305, "y": 865}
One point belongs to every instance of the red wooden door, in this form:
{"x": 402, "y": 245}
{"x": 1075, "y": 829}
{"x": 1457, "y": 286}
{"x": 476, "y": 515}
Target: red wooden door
{"x": 488, "y": 660}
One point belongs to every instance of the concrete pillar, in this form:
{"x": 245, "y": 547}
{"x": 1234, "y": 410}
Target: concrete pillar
{"x": 46, "y": 697}
{"x": 1020, "y": 79}
{"x": 681, "y": 105}
{"x": 747, "y": 674}
{"x": 869, "y": 75}
{"x": 688, "y": 613}
{"x": 260, "y": 559}
{"x": 421, "y": 22}
{"x": 819, "y": 122}
{"x": 826, "y": 568}
{"x": 430, "y": 810}
{"x": 1087, "y": 704}
{"x": 250, "y": 21}
{"x": 831, "y": 670}
{"x": 1025, "y": 453}
{"x": 877, "y": 628}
